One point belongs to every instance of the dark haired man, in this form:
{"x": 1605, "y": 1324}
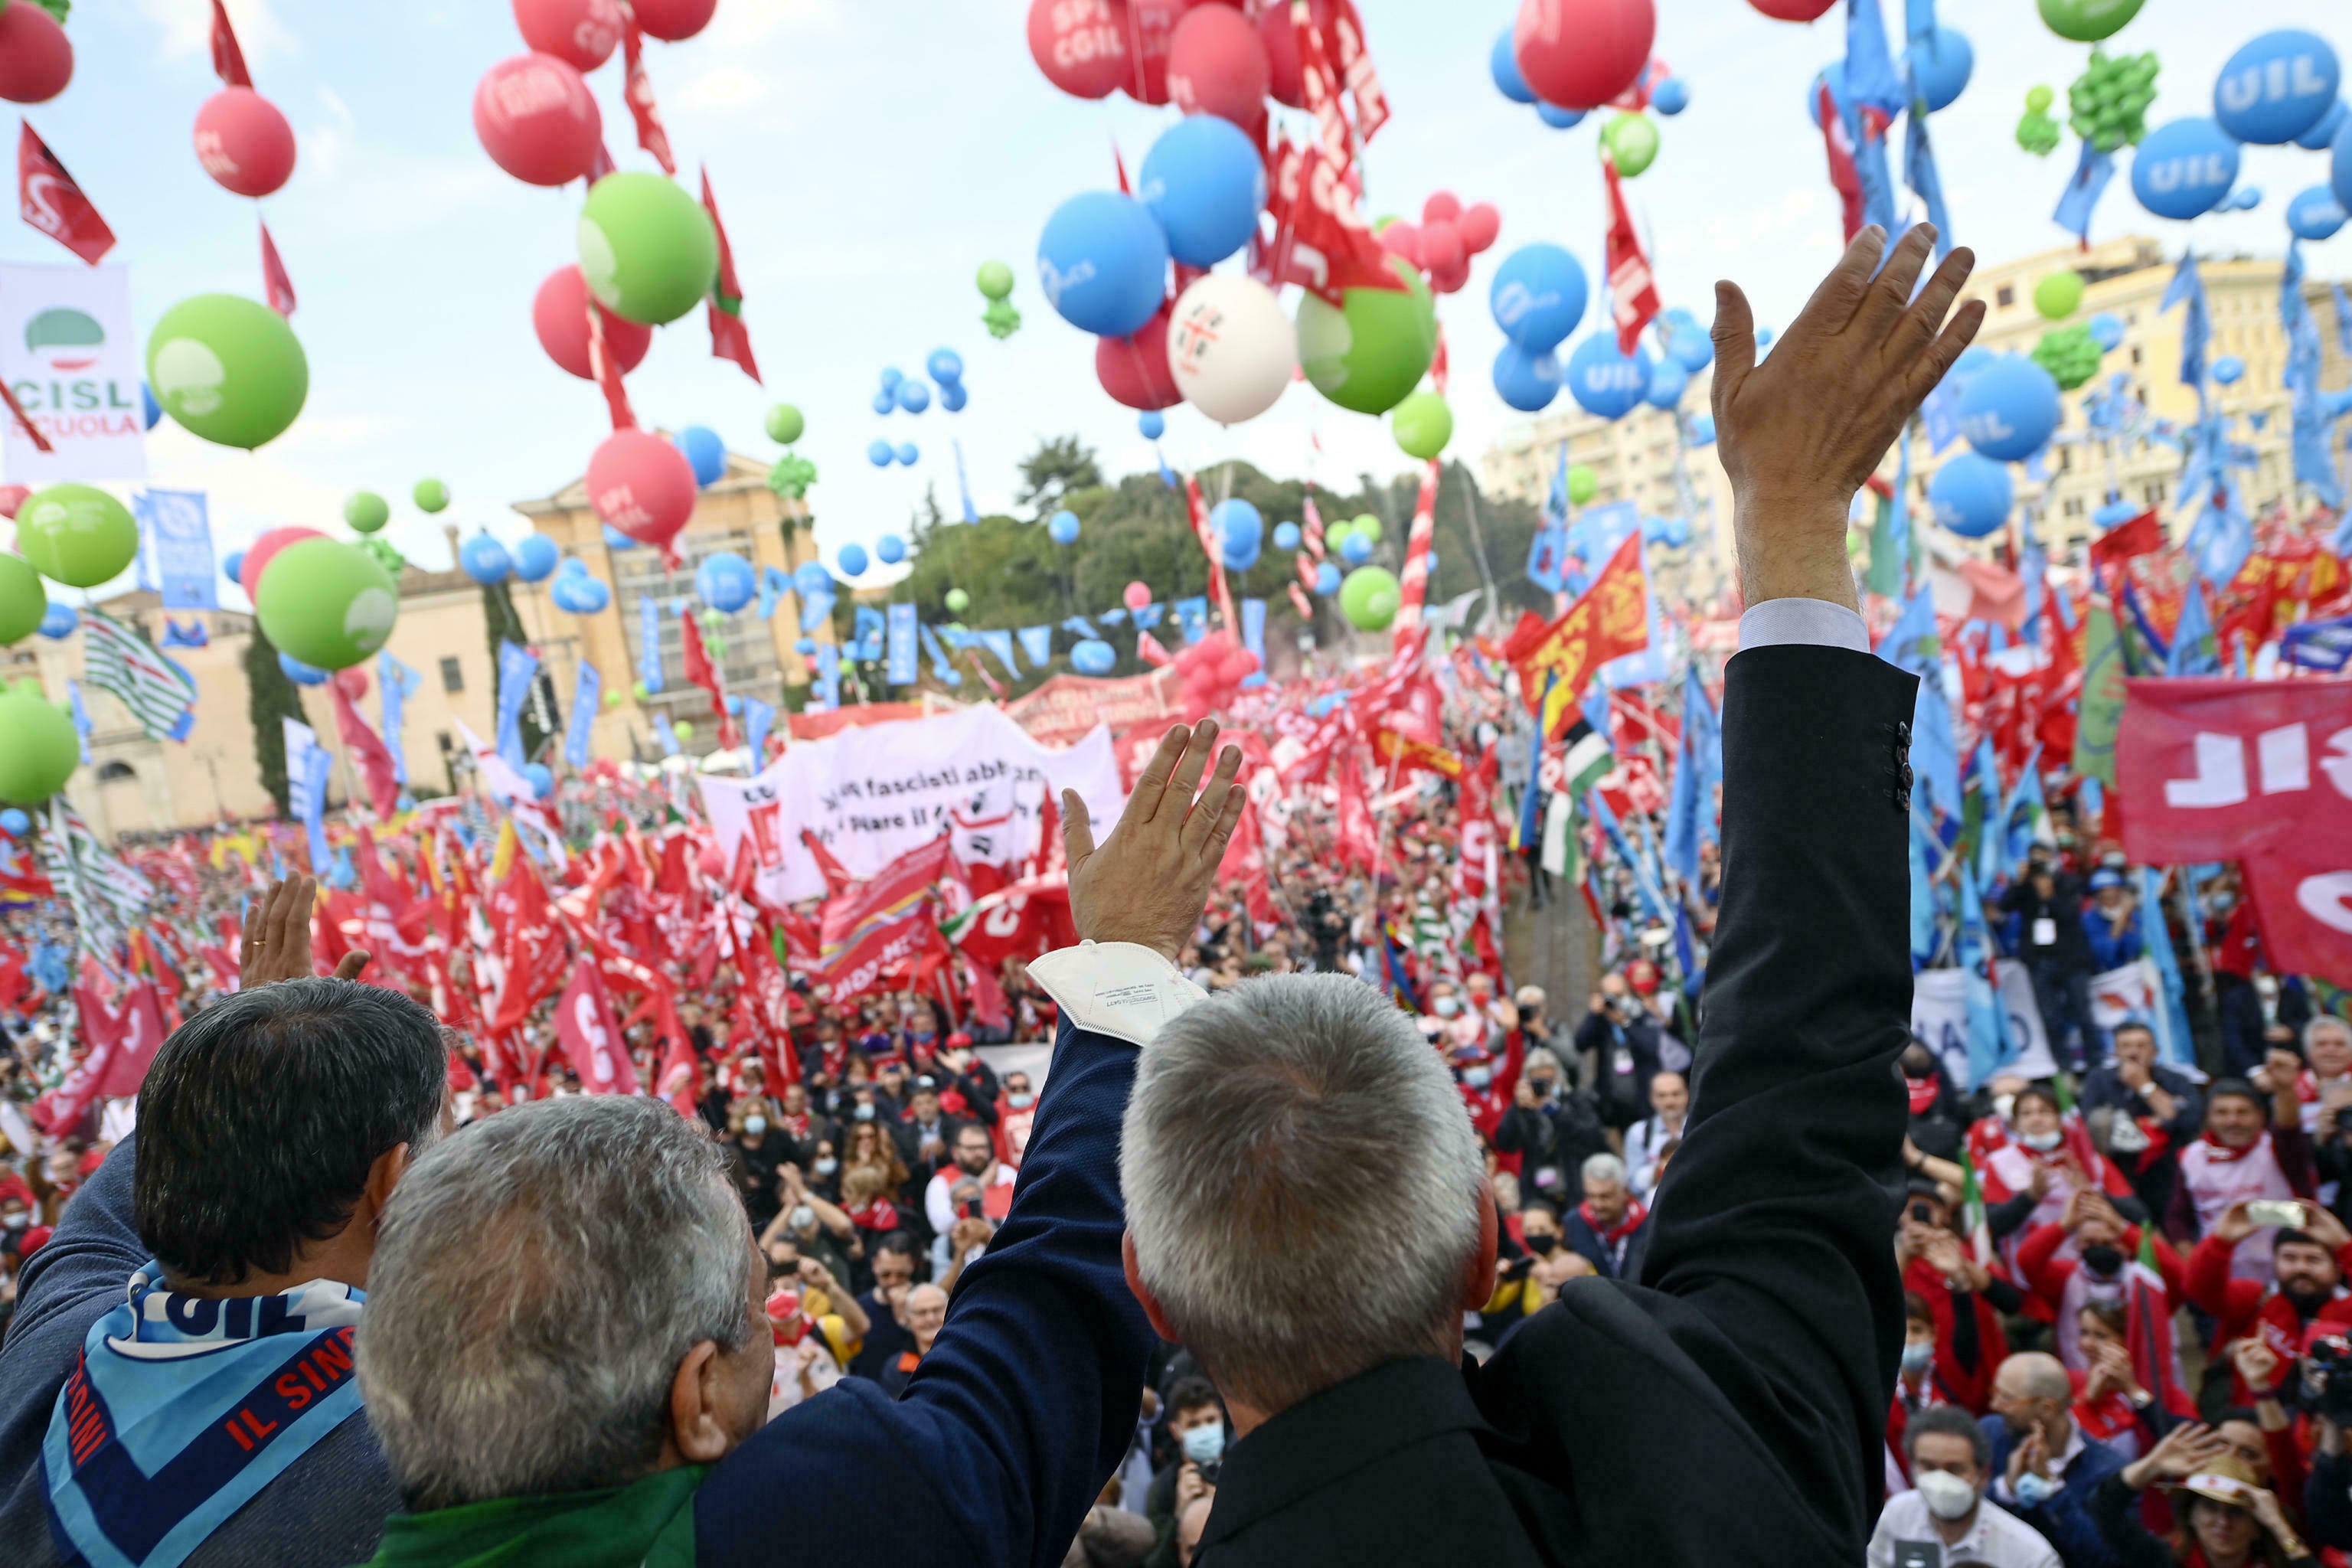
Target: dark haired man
{"x": 178, "y": 1384}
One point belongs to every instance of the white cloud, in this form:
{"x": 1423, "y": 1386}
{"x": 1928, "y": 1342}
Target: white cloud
{"x": 723, "y": 89}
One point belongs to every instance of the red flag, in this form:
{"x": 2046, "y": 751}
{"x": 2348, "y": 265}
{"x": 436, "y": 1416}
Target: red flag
{"x": 606, "y": 368}
{"x": 1419, "y": 543}
{"x": 2143, "y": 536}
{"x": 701, "y": 672}
{"x": 228, "y": 60}
{"x": 1245, "y": 863}
{"x": 836, "y": 876}
{"x": 1148, "y": 649}
{"x": 1556, "y": 662}
{"x": 2302, "y": 895}
{"x": 1354, "y": 60}
{"x": 1299, "y": 602}
{"x": 639, "y": 91}
{"x": 2216, "y": 770}
{"x": 674, "y": 1081}
{"x": 139, "y": 1031}
{"x": 53, "y": 204}
{"x": 530, "y": 944}
{"x": 730, "y": 337}
{"x": 1322, "y": 241}
{"x": 1843, "y": 175}
{"x": 1359, "y": 843}
{"x": 592, "y": 1034}
{"x": 1633, "y": 291}
{"x": 368, "y": 756}
{"x": 274, "y": 281}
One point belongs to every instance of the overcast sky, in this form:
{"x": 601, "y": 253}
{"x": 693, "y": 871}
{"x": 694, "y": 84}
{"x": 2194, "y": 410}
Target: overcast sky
{"x": 869, "y": 155}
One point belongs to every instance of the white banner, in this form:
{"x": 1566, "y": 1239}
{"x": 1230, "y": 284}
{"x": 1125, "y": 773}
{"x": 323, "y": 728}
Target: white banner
{"x": 2136, "y": 991}
{"x": 71, "y": 355}
{"x": 877, "y": 792}
{"x": 2029, "y": 1042}
{"x": 1939, "y": 1016}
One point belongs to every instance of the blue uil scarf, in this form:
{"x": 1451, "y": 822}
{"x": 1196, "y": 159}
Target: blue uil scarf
{"x": 180, "y": 1409}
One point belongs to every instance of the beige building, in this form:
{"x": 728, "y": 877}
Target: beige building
{"x": 1636, "y": 456}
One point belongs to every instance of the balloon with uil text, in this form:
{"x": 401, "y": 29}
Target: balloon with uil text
{"x": 77, "y": 534}
{"x": 228, "y": 369}
{"x": 485, "y": 559}
{"x": 1604, "y": 381}
{"x": 2315, "y": 214}
{"x": 1971, "y": 495}
{"x": 329, "y": 604}
{"x": 23, "y": 603}
{"x": 38, "y": 746}
{"x": 2276, "y": 87}
{"x": 641, "y": 485}
{"x": 1367, "y": 356}
{"x": 2184, "y": 168}
{"x": 2009, "y": 409}
{"x": 649, "y": 250}
{"x": 1204, "y": 180}
{"x": 1103, "y": 262}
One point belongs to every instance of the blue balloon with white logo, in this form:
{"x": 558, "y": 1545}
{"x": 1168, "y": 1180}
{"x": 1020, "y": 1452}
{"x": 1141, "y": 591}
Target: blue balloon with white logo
{"x": 535, "y": 559}
{"x": 1355, "y": 549}
{"x": 2184, "y": 168}
{"x": 954, "y": 395}
{"x": 810, "y": 579}
{"x": 914, "y": 396}
{"x": 2009, "y": 408}
{"x": 1503, "y": 65}
{"x": 805, "y": 647}
{"x": 2322, "y": 133}
{"x": 1689, "y": 346}
{"x": 1103, "y": 262}
{"x": 14, "y": 823}
{"x": 1604, "y": 383}
{"x": 1152, "y": 423}
{"x": 1062, "y": 528}
{"x": 1527, "y": 381}
{"x": 1560, "y": 118}
{"x": 149, "y": 407}
{"x": 1668, "y": 382}
{"x": 705, "y": 452}
{"x": 2276, "y": 87}
{"x": 1204, "y": 180}
{"x": 1940, "y": 65}
{"x": 909, "y": 454}
{"x": 60, "y": 621}
{"x": 1970, "y": 494}
{"x": 886, "y": 401}
{"x": 233, "y": 567}
{"x": 615, "y": 539}
{"x": 1702, "y": 430}
{"x": 485, "y": 559}
{"x": 1538, "y": 296}
{"x": 891, "y": 549}
{"x": 851, "y": 558}
{"x": 1093, "y": 657}
{"x": 2228, "y": 370}
{"x": 1327, "y": 580}
{"x": 726, "y": 582}
{"x": 2315, "y": 214}
{"x": 946, "y": 366}
{"x": 881, "y": 454}
{"x": 1671, "y": 96}
{"x": 1241, "y": 533}
{"x": 2107, "y": 330}
{"x": 578, "y": 594}
{"x": 1285, "y": 536}
{"x": 301, "y": 674}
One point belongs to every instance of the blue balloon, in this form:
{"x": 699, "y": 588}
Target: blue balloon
{"x": 1690, "y": 347}
{"x": 2228, "y": 370}
{"x": 1971, "y": 495}
{"x": 2277, "y": 87}
{"x": 1152, "y": 423}
{"x": 1062, "y": 528}
{"x": 301, "y": 674}
{"x": 1972, "y": 360}
{"x": 1093, "y": 657}
{"x": 15, "y": 822}
{"x": 726, "y": 582}
{"x": 1204, "y": 180}
{"x": 152, "y": 410}
{"x": 886, "y": 401}
{"x": 577, "y": 594}
{"x": 535, "y": 558}
{"x": 1238, "y": 526}
{"x": 1503, "y": 64}
{"x": 891, "y": 377}
{"x": 881, "y": 454}
{"x": 1527, "y": 381}
{"x": 1285, "y": 536}
{"x": 1604, "y": 383}
{"x": 1832, "y": 75}
{"x": 233, "y": 567}
{"x": 1668, "y": 382}
{"x": 1560, "y": 118}
{"x": 1538, "y": 297}
{"x": 1940, "y": 67}
{"x": 909, "y": 454}
{"x": 1103, "y": 262}
{"x": 810, "y": 579}
{"x": 2113, "y": 513}
{"x": 60, "y": 621}
{"x": 2107, "y": 330}
{"x": 913, "y": 395}
{"x": 2009, "y": 408}
{"x": 954, "y": 395}
{"x": 2315, "y": 214}
{"x": 1671, "y": 96}
{"x": 1702, "y": 430}
{"x": 891, "y": 549}
{"x": 485, "y": 559}
{"x": 851, "y": 558}
{"x": 1355, "y": 549}
{"x": 735, "y": 706}
{"x": 615, "y": 539}
{"x": 705, "y": 451}
{"x": 1327, "y": 580}
{"x": 805, "y": 647}
{"x": 2339, "y": 169}
{"x": 946, "y": 366}
{"x": 2183, "y": 168}
{"x": 572, "y": 566}
{"x": 541, "y": 778}
{"x": 2322, "y": 134}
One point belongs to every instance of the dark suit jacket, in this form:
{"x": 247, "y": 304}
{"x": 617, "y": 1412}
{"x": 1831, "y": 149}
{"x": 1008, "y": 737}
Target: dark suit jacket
{"x": 2067, "y": 1519}
{"x": 1732, "y": 1405}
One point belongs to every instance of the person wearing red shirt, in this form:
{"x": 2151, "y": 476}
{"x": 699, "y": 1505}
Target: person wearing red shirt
{"x": 1938, "y": 1273}
{"x": 2092, "y": 1253}
{"x": 2252, "y": 1148}
{"x": 2305, "y": 1298}
{"x": 1487, "y": 1087}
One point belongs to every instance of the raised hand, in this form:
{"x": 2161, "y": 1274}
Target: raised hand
{"x": 2257, "y": 1363}
{"x": 1148, "y": 882}
{"x": 277, "y": 940}
{"x": 1801, "y": 433}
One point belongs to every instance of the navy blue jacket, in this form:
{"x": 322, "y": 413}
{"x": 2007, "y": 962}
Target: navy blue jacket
{"x": 2064, "y": 1520}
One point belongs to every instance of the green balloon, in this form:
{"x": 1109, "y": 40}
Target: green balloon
{"x": 77, "y": 534}
{"x": 1369, "y": 598}
{"x": 1371, "y": 352}
{"x": 2038, "y": 100}
{"x": 366, "y": 511}
{"x": 647, "y": 249}
{"x": 785, "y": 424}
{"x": 38, "y": 747}
{"x": 326, "y": 603}
{"x": 958, "y": 600}
{"x": 2058, "y": 296}
{"x": 1422, "y": 424}
{"x": 431, "y": 495}
{"x": 228, "y": 369}
{"x": 1583, "y": 484}
{"x": 612, "y": 699}
{"x": 23, "y": 600}
{"x": 1367, "y": 524}
{"x": 1633, "y": 141}
{"x": 644, "y": 691}
{"x": 2087, "y": 21}
{"x": 683, "y": 730}
{"x": 995, "y": 279}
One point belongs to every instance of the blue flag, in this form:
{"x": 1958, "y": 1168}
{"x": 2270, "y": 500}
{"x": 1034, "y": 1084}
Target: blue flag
{"x": 1254, "y": 638}
{"x": 964, "y": 485}
{"x": 759, "y": 718}
{"x": 870, "y": 635}
{"x": 2172, "y": 1035}
{"x": 1911, "y": 642}
{"x": 828, "y": 674}
{"x": 1989, "y": 1043}
{"x": 999, "y": 643}
{"x": 2187, "y": 288}
{"x": 1192, "y": 615}
{"x": 905, "y": 664}
{"x": 1925, "y": 856}
{"x": 80, "y": 713}
{"x": 1078, "y": 626}
{"x": 518, "y": 666}
{"x": 1934, "y": 755}
{"x": 587, "y": 697}
{"x": 2089, "y": 183}
{"x": 397, "y": 683}
{"x": 649, "y": 662}
{"x": 1690, "y": 809}
{"x": 2023, "y": 815}
{"x": 2192, "y": 637}
{"x": 180, "y": 536}
{"x": 1037, "y": 642}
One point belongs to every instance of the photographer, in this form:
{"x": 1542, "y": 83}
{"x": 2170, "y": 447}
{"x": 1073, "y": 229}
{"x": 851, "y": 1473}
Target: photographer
{"x": 1552, "y": 1126}
{"x": 1625, "y": 1047}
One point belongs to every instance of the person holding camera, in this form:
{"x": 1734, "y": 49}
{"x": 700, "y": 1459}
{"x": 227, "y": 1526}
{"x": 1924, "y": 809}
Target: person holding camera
{"x": 1946, "y": 1518}
{"x": 2304, "y": 1289}
{"x": 1627, "y": 1049}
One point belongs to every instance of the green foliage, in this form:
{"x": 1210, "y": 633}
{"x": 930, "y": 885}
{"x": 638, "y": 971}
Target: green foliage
{"x": 58, "y": 8}
{"x": 1060, "y": 464}
{"x": 2070, "y": 354}
{"x": 2107, "y": 105}
{"x": 391, "y": 560}
{"x": 791, "y": 476}
{"x": 505, "y": 625}
{"x": 271, "y": 698}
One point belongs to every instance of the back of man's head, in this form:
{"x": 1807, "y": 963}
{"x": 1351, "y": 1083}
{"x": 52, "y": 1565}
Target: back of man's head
{"x": 1302, "y": 1185}
{"x": 261, "y": 1117}
{"x": 538, "y": 1279}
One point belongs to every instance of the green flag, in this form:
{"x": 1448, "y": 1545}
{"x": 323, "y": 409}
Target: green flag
{"x": 2103, "y": 698}
{"x": 1972, "y": 1208}
{"x": 1887, "y": 562}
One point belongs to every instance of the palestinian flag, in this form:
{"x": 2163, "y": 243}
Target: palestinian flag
{"x": 1585, "y": 761}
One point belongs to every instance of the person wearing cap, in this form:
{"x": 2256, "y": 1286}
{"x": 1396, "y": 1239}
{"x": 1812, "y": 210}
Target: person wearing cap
{"x": 2228, "y": 1519}
{"x": 1950, "y": 1462}
{"x": 2111, "y": 925}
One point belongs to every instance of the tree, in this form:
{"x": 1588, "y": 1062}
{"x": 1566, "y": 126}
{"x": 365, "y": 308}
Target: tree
{"x": 505, "y": 626}
{"x": 271, "y": 698}
{"x": 1060, "y": 465}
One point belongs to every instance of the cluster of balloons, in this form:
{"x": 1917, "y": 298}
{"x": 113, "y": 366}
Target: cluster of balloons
{"x": 2277, "y": 89}
{"x": 575, "y": 591}
{"x": 881, "y": 454}
{"x": 1569, "y": 58}
{"x": 1209, "y": 672}
{"x": 1538, "y": 297}
{"x": 1353, "y": 540}
{"x": 1240, "y": 531}
{"x": 1444, "y": 240}
{"x": 995, "y": 282}
{"x": 2036, "y": 131}
{"x": 2107, "y": 105}
{"x": 227, "y": 369}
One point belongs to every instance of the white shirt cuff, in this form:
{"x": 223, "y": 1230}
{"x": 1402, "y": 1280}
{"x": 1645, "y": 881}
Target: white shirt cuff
{"x": 1116, "y": 988}
{"x": 1778, "y": 621}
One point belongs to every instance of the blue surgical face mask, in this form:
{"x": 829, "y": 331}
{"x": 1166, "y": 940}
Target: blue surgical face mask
{"x": 755, "y": 1125}
{"x": 1205, "y": 1444}
{"x": 1447, "y": 1006}
{"x": 1919, "y": 1356}
{"x": 864, "y": 1112}
{"x": 827, "y": 1167}
{"x": 2032, "y": 1491}
{"x": 1020, "y": 1101}
{"x": 1478, "y": 1076}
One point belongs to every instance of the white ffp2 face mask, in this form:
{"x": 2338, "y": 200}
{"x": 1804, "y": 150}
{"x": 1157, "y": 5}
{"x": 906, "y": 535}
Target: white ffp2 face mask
{"x": 1946, "y": 1495}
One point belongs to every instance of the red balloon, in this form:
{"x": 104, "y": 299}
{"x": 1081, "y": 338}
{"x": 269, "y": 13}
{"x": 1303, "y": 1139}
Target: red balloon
{"x": 1449, "y": 280}
{"x": 538, "y": 121}
{"x": 558, "y": 314}
{"x": 671, "y": 20}
{"x": 1442, "y": 206}
{"x": 643, "y": 486}
{"x": 12, "y": 497}
{"x": 581, "y": 33}
{"x": 353, "y": 683}
{"x": 36, "y": 56}
{"x": 1135, "y": 371}
{"x": 1793, "y": 10}
{"x": 1441, "y": 250}
{"x": 1281, "y": 41}
{"x": 243, "y": 142}
{"x": 1580, "y": 54}
{"x": 264, "y": 550}
{"x": 1080, "y": 44}
{"x": 1478, "y": 225}
{"x": 1148, "y": 25}
{"x": 1403, "y": 238}
{"x": 1217, "y": 66}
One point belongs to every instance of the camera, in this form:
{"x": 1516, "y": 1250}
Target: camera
{"x": 1211, "y": 1472}
{"x": 2327, "y": 1380}
{"x": 1922, "y": 1212}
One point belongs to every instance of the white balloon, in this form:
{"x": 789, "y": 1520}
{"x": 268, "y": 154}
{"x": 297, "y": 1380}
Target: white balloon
{"x": 1231, "y": 348}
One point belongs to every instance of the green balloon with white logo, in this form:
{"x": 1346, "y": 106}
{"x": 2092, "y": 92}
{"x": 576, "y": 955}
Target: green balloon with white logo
{"x": 2087, "y": 21}
{"x": 366, "y": 511}
{"x": 38, "y": 747}
{"x": 327, "y": 604}
{"x": 23, "y": 600}
{"x": 1370, "y": 354}
{"x": 77, "y": 534}
{"x": 227, "y": 369}
{"x": 1368, "y": 597}
{"x": 647, "y": 249}
{"x": 1633, "y": 143}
